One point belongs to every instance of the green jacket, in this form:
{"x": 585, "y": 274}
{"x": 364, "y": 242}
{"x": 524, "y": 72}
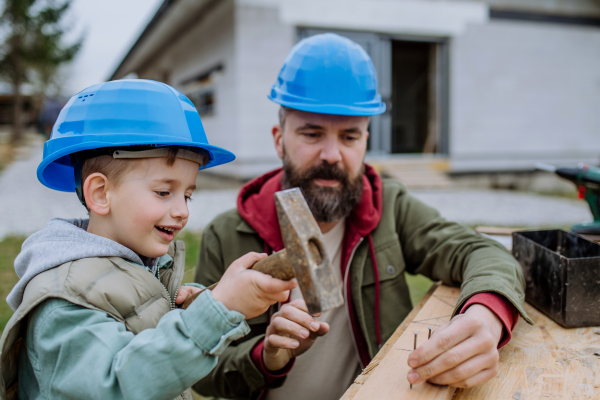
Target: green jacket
{"x": 407, "y": 236}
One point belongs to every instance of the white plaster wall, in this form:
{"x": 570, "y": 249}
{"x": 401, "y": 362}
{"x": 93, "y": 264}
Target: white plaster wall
{"x": 207, "y": 44}
{"x": 262, "y": 43}
{"x": 565, "y": 7}
{"x": 522, "y": 93}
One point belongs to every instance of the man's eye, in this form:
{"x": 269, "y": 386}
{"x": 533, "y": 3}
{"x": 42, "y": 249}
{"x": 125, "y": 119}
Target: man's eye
{"x": 311, "y": 135}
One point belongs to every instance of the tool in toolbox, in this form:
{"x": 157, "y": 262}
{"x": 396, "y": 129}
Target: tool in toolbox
{"x": 587, "y": 179}
{"x": 303, "y": 257}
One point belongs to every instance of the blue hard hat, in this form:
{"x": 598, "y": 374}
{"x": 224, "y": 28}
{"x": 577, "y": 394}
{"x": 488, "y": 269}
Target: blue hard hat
{"x": 122, "y": 113}
{"x": 328, "y": 74}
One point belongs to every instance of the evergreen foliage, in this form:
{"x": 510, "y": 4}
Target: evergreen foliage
{"x": 33, "y": 48}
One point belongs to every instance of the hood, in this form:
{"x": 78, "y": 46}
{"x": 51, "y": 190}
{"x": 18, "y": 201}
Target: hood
{"x": 59, "y": 242}
{"x": 256, "y": 205}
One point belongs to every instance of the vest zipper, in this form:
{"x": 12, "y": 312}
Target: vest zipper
{"x": 170, "y": 299}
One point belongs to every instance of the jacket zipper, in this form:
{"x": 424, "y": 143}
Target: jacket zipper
{"x": 170, "y": 299}
{"x": 347, "y": 306}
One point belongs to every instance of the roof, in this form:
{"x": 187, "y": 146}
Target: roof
{"x": 172, "y": 20}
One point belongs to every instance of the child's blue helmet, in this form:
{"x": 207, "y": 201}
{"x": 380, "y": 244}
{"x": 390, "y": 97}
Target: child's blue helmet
{"x": 119, "y": 114}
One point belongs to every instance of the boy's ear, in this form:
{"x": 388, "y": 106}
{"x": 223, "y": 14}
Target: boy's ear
{"x": 95, "y": 191}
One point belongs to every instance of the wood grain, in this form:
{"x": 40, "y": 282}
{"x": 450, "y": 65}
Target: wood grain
{"x": 544, "y": 361}
{"x": 366, "y": 373}
{"x": 387, "y": 380}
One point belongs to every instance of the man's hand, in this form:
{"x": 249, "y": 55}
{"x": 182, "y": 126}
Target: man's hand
{"x": 291, "y": 332}
{"x": 463, "y": 353}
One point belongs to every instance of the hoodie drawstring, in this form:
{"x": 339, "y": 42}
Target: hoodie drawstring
{"x": 377, "y": 291}
{"x": 268, "y": 250}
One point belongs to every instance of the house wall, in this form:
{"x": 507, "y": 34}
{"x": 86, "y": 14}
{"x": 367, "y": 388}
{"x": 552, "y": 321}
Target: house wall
{"x": 524, "y": 92}
{"x": 520, "y": 92}
{"x": 210, "y": 42}
{"x": 262, "y": 43}
{"x": 565, "y": 7}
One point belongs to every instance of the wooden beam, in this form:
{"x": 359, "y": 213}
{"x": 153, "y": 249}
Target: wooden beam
{"x": 385, "y": 377}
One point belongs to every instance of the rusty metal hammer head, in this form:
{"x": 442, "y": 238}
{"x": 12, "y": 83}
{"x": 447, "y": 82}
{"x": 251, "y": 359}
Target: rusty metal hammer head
{"x": 306, "y": 252}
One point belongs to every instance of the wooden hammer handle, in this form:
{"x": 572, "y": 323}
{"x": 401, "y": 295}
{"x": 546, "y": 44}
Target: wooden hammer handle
{"x": 277, "y": 265}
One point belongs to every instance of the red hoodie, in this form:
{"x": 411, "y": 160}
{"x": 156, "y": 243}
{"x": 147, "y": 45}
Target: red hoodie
{"x": 256, "y": 205}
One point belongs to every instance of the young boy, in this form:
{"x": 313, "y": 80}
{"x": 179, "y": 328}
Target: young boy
{"x": 95, "y": 308}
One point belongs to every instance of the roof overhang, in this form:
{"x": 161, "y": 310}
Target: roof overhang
{"x": 172, "y": 20}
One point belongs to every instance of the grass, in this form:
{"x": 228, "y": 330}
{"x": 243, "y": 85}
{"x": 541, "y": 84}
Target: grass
{"x": 418, "y": 285}
{"x": 9, "y": 249}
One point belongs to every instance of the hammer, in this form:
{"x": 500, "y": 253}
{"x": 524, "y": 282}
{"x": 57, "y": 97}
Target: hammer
{"x": 303, "y": 257}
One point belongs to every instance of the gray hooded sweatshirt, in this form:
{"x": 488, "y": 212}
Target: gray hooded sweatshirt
{"x": 61, "y": 241}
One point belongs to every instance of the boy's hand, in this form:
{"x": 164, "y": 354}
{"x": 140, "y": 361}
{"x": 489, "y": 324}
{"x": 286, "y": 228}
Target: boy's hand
{"x": 292, "y": 331}
{"x": 250, "y": 292}
{"x": 184, "y": 292}
{"x": 463, "y": 353}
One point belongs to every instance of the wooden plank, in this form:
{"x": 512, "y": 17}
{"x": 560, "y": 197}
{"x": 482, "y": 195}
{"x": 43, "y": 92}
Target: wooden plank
{"x": 540, "y": 362}
{"x": 388, "y": 379}
{"x": 366, "y": 373}
{"x": 544, "y": 361}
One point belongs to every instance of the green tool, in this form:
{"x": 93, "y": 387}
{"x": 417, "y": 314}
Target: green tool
{"x": 587, "y": 179}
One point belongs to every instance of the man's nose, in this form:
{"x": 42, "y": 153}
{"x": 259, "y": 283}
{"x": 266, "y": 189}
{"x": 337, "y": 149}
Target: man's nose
{"x": 330, "y": 151}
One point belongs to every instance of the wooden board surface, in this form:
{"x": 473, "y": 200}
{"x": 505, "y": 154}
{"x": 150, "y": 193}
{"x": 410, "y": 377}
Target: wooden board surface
{"x": 544, "y": 361}
{"x": 366, "y": 373}
{"x": 388, "y": 379}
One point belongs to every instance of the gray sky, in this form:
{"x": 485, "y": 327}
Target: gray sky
{"x": 111, "y": 26}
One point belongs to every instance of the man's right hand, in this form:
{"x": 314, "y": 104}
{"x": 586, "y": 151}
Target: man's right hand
{"x": 292, "y": 331}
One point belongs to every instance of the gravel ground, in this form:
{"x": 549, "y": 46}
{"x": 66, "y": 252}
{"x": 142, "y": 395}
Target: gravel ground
{"x": 26, "y": 205}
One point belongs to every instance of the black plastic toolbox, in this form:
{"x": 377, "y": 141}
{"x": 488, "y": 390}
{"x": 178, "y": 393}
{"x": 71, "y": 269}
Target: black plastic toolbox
{"x": 562, "y": 273}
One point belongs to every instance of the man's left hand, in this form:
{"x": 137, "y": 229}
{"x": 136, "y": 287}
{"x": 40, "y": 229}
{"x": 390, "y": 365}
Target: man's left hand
{"x": 462, "y": 353}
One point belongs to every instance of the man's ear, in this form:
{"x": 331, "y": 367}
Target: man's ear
{"x": 277, "y": 133}
{"x": 95, "y": 191}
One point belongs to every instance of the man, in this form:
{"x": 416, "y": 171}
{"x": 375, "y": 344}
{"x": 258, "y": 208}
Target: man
{"x": 374, "y": 232}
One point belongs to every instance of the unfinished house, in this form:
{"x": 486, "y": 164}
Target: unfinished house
{"x": 471, "y": 85}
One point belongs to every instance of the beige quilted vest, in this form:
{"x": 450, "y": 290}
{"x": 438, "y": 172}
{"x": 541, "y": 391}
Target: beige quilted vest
{"x": 119, "y": 288}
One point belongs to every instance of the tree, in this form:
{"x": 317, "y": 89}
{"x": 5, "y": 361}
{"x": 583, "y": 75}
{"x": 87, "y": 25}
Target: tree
{"x": 33, "y": 47}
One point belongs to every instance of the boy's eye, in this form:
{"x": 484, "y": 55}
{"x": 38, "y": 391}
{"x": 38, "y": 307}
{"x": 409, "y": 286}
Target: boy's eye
{"x": 188, "y": 198}
{"x": 162, "y": 194}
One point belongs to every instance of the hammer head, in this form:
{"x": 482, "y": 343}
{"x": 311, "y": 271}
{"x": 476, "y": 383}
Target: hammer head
{"x": 306, "y": 251}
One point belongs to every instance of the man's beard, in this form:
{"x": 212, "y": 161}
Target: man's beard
{"x": 328, "y": 204}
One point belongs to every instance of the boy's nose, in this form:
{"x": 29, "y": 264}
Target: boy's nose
{"x": 180, "y": 210}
